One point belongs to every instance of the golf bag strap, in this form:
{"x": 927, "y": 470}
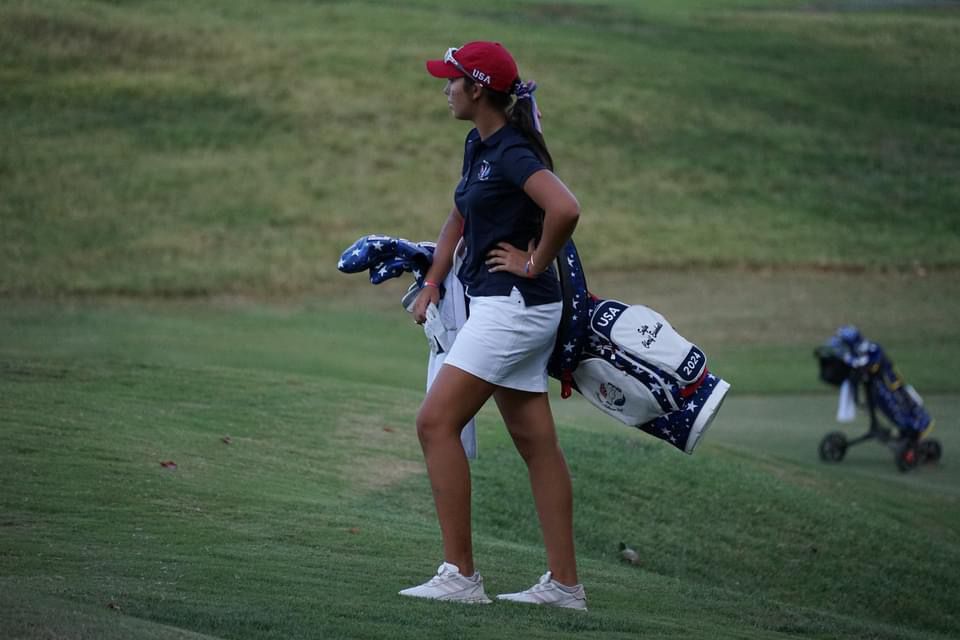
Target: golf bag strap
{"x": 574, "y": 321}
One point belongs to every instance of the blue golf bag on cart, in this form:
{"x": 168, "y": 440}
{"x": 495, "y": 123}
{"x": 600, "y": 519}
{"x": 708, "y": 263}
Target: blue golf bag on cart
{"x": 867, "y": 378}
{"x": 626, "y": 360}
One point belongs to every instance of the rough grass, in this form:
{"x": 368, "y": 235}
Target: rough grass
{"x": 161, "y": 148}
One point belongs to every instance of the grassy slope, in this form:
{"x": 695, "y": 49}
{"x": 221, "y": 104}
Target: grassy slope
{"x": 169, "y": 148}
{"x": 320, "y": 504}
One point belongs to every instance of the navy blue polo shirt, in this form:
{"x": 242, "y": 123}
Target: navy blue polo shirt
{"x": 495, "y": 209}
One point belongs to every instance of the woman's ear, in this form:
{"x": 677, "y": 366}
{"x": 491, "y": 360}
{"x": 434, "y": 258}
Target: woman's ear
{"x": 476, "y": 91}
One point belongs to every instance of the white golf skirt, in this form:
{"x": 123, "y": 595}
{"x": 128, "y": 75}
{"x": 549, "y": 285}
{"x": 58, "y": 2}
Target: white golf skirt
{"x": 506, "y": 342}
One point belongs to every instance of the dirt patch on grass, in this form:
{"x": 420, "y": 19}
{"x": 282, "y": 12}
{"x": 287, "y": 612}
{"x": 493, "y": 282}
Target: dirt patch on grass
{"x": 384, "y": 453}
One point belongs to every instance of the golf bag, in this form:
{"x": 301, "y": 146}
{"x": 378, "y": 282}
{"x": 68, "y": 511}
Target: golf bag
{"x": 868, "y": 378}
{"x": 849, "y": 358}
{"x": 630, "y": 363}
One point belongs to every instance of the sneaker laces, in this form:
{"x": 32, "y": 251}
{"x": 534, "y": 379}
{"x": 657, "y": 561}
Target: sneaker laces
{"x": 444, "y": 572}
{"x": 542, "y": 584}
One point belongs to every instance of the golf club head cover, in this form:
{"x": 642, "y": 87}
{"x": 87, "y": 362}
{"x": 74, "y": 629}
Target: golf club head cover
{"x": 387, "y": 257}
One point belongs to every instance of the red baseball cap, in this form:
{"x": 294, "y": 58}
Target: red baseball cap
{"x": 488, "y": 63}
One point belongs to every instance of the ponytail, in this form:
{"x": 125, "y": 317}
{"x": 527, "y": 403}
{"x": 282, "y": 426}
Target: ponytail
{"x": 522, "y": 114}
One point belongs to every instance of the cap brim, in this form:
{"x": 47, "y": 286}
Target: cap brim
{"x": 440, "y": 69}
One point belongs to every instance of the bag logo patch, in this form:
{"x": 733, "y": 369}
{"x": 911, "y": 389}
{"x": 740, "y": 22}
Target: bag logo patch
{"x": 649, "y": 335}
{"x": 611, "y": 396}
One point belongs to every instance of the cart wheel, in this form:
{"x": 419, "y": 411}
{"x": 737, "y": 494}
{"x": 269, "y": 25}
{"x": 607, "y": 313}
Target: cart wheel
{"x": 833, "y": 447}
{"x": 908, "y": 456}
{"x": 930, "y": 450}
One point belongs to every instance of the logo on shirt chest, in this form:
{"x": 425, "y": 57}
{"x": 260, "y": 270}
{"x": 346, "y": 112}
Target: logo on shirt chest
{"x": 484, "y": 171}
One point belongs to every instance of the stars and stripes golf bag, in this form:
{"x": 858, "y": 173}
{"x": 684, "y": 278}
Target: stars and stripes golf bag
{"x": 630, "y": 363}
{"x": 626, "y": 360}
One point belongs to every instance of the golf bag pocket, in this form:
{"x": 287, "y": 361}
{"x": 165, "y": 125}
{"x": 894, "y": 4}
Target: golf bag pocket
{"x": 616, "y": 392}
{"x": 646, "y": 335}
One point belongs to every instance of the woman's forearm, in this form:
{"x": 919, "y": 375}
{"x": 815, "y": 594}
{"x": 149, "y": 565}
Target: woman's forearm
{"x": 558, "y": 226}
{"x": 450, "y": 235}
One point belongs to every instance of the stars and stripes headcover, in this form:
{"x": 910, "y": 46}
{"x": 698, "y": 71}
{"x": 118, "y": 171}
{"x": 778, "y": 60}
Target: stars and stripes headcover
{"x": 386, "y": 257}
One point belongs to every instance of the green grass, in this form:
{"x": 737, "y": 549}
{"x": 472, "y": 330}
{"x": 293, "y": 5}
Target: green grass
{"x": 178, "y": 179}
{"x": 758, "y": 329}
{"x": 174, "y": 149}
{"x": 318, "y": 509}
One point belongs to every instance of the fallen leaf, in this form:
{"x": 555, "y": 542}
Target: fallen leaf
{"x": 354, "y": 530}
{"x": 226, "y": 440}
{"x": 168, "y": 464}
{"x": 388, "y": 429}
{"x": 113, "y": 605}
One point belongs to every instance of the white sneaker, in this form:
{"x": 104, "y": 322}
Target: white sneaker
{"x": 550, "y": 592}
{"x": 450, "y": 585}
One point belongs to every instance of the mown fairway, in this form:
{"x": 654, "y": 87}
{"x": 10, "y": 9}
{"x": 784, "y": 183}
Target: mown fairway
{"x": 177, "y": 181}
{"x": 318, "y": 509}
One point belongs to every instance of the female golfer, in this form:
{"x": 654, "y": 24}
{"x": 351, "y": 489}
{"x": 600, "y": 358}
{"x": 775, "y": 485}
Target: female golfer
{"x": 513, "y": 215}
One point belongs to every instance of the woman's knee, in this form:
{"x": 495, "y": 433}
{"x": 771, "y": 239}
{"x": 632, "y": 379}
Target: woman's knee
{"x": 431, "y": 426}
{"x": 453, "y": 398}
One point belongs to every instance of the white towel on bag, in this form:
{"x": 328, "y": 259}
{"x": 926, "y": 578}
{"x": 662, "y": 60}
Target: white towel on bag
{"x": 846, "y": 406}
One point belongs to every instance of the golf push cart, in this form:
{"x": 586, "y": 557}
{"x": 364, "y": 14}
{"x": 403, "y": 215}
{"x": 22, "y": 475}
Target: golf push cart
{"x": 868, "y": 379}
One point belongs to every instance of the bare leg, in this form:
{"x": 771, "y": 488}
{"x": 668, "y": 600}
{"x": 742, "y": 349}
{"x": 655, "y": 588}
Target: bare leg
{"x": 454, "y": 397}
{"x": 530, "y": 422}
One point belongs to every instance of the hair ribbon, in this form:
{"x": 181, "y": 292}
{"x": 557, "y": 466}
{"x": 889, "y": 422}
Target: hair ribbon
{"x": 525, "y": 91}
